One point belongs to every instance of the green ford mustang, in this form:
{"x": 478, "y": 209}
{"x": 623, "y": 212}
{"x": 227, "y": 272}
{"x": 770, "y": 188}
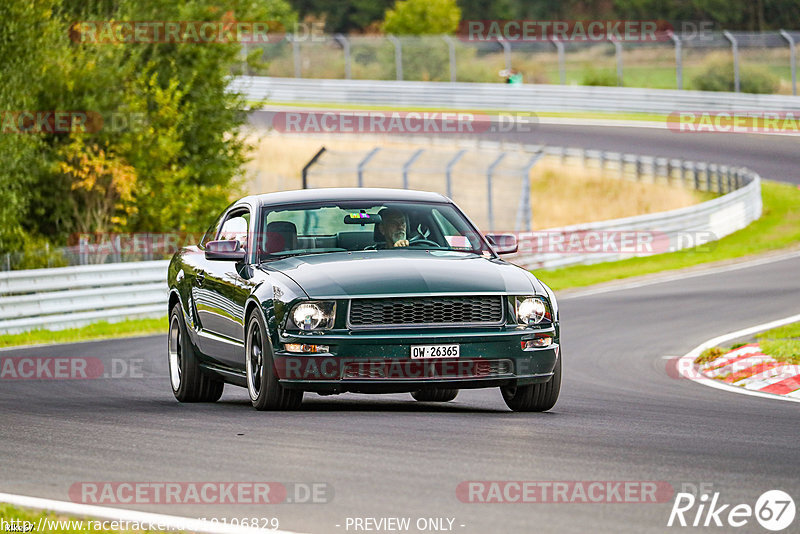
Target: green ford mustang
{"x": 357, "y": 290}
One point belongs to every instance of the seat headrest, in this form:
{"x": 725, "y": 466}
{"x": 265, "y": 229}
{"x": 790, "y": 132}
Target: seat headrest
{"x": 281, "y": 235}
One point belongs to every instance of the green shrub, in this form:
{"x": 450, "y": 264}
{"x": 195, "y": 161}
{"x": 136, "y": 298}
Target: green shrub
{"x": 605, "y": 78}
{"x": 718, "y": 75}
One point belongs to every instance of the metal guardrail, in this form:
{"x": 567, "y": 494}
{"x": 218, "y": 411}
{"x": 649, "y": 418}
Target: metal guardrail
{"x": 527, "y": 97}
{"x": 73, "y": 296}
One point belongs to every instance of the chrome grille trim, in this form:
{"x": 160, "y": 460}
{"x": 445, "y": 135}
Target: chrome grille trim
{"x": 433, "y": 311}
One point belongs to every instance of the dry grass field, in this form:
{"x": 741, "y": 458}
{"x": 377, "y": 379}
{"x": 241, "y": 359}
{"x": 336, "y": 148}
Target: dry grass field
{"x": 560, "y": 194}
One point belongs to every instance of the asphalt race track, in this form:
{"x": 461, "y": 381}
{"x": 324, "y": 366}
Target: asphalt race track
{"x": 774, "y": 157}
{"x": 621, "y": 416}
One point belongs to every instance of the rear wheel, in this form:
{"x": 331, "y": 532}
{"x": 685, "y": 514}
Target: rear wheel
{"x": 189, "y": 383}
{"x": 435, "y": 395}
{"x": 265, "y": 391}
{"x": 534, "y": 397}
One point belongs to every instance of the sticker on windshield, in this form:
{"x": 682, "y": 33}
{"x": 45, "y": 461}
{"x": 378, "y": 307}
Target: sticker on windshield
{"x": 458, "y": 241}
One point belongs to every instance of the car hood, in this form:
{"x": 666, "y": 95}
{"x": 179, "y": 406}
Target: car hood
{"x": 403, "y": 272}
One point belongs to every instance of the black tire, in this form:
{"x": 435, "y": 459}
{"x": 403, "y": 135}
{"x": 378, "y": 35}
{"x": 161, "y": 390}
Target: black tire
{"x": 434, "y": 395}
{"x": 534, "y": 397}
{"x": 189, "y": 383}
{"x": 265, "y": 391}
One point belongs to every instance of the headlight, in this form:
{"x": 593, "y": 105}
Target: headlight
{"x": 532, "y": 310}
{"x": 314, "y": 315}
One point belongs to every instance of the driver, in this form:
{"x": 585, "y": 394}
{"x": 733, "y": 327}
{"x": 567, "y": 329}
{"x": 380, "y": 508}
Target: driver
{"x": 392, "y": 228}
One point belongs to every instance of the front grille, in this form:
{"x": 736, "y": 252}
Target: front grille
{"x": 427, "y": 369}
{"x": 426, "y": 311}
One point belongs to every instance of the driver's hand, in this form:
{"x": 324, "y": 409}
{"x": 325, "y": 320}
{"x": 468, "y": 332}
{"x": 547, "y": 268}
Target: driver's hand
{"x": 401, "y": 243}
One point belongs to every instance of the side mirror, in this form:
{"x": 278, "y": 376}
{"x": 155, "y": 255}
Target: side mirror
{"x": 225, "y": 250}
{"x": 503, "y": 243}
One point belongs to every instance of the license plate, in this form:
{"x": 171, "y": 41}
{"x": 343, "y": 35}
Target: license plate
{"x": 419, "y": 352}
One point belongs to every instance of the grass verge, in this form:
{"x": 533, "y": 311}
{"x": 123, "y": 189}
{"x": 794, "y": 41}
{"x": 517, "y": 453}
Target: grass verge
{"x": 594, "y": 115}
{"x": 782, "y": 343}
{"x": 101, "y": 330}
{"x": 778, "y": 228}
{"x": 50, "y": 522}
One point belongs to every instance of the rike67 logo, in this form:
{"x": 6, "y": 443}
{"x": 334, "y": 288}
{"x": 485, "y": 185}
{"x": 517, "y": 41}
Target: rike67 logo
{"x": 774, "y": 510}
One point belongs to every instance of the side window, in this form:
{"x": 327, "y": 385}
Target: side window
{"x": 235, "y": 227}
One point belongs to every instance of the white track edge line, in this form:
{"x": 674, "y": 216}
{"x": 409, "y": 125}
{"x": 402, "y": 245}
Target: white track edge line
{"x": 169, "y": 521}
{"x": 675, "y": 277}
{"x": 686, "y": 362}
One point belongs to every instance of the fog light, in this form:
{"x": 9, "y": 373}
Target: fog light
{"x": 538, "y": 343}
{"x": 302, "y": 347}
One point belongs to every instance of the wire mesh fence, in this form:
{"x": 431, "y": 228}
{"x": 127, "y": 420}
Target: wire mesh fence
{"x": 681, "y": 61}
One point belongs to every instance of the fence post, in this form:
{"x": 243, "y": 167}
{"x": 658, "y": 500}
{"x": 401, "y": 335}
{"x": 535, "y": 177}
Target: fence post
{"x": 506, "y": 51}
{"x": 398, "y": 56}
{"x": 296, "y": 56}
{"x": 407, "y": 165}
{"x": 792, "y": 59}
{"x": 342, "y": 40}
{"x": 562, "y": 75}
{"x": 363, "y": 163}
{"x": 735, "y": 49}
{"x": 449, "y": 170}
{"x": 639, "y": 166}
{"x": 489, "y": 173}
{"x": 308, "y": 165}
{"x": 526, "y": 194}
{"x": 730, "y": 179}
{"x": 451, "y": 45}
{"x": 696, "y": 172}
{"x": 678, "y": 59}
{"x": 618, "y": 53}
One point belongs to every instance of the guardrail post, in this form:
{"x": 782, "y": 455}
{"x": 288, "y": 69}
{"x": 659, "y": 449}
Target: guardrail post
{"x": 621, "y": 166}
{"x": 792, "y": 59}
{"x": 489, "y": 173}
{"x": 730, "y": 179}
{"x": 398, "y": 56}
{"x": 678, "y": 59}
{"x": 670, "y": 171}
{"x": 308, "y": 165}
{"x": 562, "y": 75}
{"x": 639, "y": 168}
{"x": 449, "y": 171}
{"x": 342, "y": 40}
{"x": 451, "y": 46}
{"x": 363, "y": 163}
{"x": 618, "y": 53}
{"x": 696, "y": 172}
{"x": 735, "y": 49}
{"x": 407, "y": 165}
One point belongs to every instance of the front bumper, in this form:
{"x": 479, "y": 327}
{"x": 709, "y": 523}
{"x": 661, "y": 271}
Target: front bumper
{"x": 380, "y": 362}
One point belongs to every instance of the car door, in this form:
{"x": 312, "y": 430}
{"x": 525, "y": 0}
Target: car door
{"x": 223, "y": 292}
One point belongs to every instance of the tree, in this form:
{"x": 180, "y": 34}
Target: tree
{"x": 422, "y": 17}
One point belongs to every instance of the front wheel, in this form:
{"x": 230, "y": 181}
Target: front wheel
{"x": 534, "y": 397}
{"x": 265, "y": 391}
{"x": 434, "y": 395}
{"x": 189, "y": 383}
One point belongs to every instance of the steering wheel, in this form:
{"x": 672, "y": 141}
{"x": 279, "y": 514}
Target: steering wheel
{"x": 422, "y": 240}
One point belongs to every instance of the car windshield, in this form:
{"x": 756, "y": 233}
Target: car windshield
{"x": 323, "y": 227}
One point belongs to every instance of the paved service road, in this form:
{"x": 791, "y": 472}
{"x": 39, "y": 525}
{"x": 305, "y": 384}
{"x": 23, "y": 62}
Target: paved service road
{"x": 621, "y": 417}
